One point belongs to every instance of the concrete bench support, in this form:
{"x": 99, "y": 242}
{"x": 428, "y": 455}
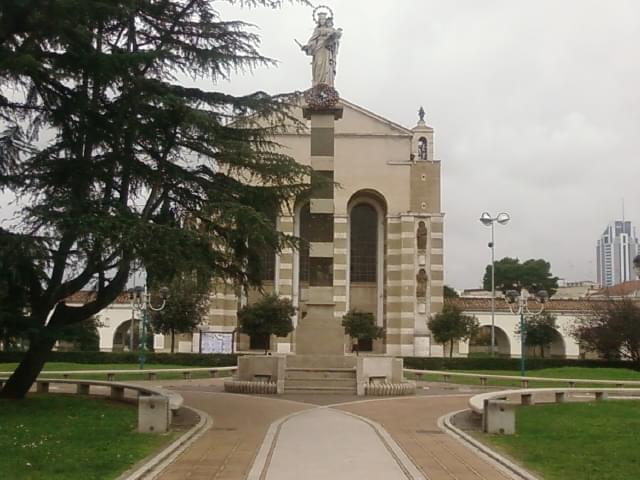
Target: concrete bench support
{"x": 572, "y": 384}
{"x": 186, "y": 375}
{"x": 117, "y": 393}
{"x": 524, "y": 383}
{"x": 42, "y": 387}
{"x": 526, "y": 399}
{"x": 154, "y": 415}
{"x": 111, "y": 377}
{"x": 601, "y": 396}
{"x": 82, "y": 389}
{"x": 499, "y": 417}
{"x": 446, "y": 378}
{"x": 483, "y": 381}
{"x": 561, "y": 397}
{"x": 213, "y": 373}
{"x": 152, "y": 376}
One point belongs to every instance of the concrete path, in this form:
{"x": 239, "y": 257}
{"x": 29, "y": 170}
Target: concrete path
{"x": 270, "y": 438}
{"x": 329, "y": 444}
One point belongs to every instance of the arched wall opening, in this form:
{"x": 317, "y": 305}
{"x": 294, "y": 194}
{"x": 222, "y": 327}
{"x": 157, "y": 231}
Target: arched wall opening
{"x": 481, "y": 343}
{"x": 366, "y": 240}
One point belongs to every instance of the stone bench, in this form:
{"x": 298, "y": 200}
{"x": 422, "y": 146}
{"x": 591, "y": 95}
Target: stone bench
{"x": 498, "y": 412}
{"x": 155, "y": 405}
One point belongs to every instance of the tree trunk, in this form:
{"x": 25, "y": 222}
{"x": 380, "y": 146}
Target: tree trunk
{"x": 451, "y": 349}
{"x": 541, "y": 351}
{"x": 173, "y": 340}
{"x": 30, "y": 367}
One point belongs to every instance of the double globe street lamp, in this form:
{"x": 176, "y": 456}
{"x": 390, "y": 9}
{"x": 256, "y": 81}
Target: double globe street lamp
{"x": 519, "y": 304}
{"x": 488, "y": 221}
{"x": 141, "y": 302}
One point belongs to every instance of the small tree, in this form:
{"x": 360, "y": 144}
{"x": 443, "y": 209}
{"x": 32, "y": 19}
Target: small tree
{"x": 452, "y": 325}
{"x": 539, "y": 331}
{"x": 270, "y": 316}
{"x": 184, "y": 310}
{"x": 361, "y": 326}
{"x": 82, "y": 336}
{"x": 612, "y": 329}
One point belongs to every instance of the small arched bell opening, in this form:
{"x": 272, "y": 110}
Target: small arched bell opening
{"x": 423, "y": 145}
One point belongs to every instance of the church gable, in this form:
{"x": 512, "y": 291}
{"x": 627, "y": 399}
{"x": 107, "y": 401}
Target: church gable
{"x": 359, "y": 121}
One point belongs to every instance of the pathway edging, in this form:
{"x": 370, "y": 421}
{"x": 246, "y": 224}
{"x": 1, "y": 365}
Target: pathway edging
{"x": 515, "y": 471}
{"x": 154, "y": 466}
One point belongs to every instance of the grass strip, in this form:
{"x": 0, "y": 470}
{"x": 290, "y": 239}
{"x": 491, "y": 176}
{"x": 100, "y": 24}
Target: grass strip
{"x": 576, "y": 441}
{"x": 59, "y": 437}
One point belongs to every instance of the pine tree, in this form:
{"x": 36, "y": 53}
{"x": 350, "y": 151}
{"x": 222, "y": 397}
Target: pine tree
{"x": 131, "y": 165}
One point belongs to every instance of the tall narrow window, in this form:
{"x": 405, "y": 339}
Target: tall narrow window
{"x": 422, "y": 148}
{"x": 421, "y": 236}
{"x": 364, "y": 243}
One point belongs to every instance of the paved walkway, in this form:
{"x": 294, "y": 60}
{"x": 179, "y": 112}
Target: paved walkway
{"x": 270, "y": 438}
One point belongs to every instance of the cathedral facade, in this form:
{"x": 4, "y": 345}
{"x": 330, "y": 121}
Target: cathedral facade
{"x": 387, "y": 244}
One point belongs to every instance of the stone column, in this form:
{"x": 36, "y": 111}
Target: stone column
{"x": 320, "y": 332}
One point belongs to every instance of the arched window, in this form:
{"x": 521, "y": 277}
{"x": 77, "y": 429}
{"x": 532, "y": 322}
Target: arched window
{"x": 422, "y": 148}
{"x": 421, "y": 236}
{"x": 364, "y": 243}
{"x": 303, "y": 254}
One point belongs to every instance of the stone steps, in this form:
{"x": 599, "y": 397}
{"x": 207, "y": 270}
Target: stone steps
{"x": 320, "y": 380}
{"x": 320, "y": 373}
{"x": 321, "y": 390}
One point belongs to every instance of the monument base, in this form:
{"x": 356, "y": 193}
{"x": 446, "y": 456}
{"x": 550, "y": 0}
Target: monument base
{"x": 318, "y": 374}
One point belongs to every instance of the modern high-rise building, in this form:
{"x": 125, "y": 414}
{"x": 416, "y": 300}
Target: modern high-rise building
{"x": 617, "y": 247}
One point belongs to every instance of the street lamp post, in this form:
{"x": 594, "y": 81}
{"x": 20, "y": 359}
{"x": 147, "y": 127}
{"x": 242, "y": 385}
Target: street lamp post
{"x": 519, "y": 304}
{"x": 140, "y": 300}
{"x": 636, "y": 265}
{"x": 489, "y": 221}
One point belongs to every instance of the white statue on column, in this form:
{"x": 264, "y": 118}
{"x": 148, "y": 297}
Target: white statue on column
{"x": 323, "y": 47}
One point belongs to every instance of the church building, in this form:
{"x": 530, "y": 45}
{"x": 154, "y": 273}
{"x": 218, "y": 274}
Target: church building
{"x": 387, "y": 240}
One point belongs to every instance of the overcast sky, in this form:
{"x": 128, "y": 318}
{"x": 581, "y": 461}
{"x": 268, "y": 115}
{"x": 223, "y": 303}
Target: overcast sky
{"x": 535, "y": 106}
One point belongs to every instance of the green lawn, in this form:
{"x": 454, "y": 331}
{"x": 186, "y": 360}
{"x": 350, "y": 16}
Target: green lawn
{"x": 59, "y": 366}
{"x": 613, "y": 374}
{"x": 576, "y": 441}
{"x": 62, "y": 437}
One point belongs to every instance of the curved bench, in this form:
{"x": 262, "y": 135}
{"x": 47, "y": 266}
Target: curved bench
{"x": 155, "y": 405}
{"x": 152, "y": 374}
{"x": 524, "y": 381}
{"x": 498, "y": 408}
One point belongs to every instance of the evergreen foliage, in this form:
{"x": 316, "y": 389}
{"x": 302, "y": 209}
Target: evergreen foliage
{"x": 534, "y": 275}
{"x": 539, "y": 331}
{"x": 269, "y": 316}
{"x": 117, "y": 159}
{"x": 361, "y": 325}
{"x": 184, "y": 310}
{"x": 451, "y": 325}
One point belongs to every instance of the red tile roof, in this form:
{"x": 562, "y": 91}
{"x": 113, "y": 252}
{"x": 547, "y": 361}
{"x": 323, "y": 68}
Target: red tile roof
{"x": 620, "y": 290}
{"x": 475, "y": 304}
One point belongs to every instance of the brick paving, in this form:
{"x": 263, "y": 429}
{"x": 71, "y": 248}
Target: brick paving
{"x": 228, "y": 450}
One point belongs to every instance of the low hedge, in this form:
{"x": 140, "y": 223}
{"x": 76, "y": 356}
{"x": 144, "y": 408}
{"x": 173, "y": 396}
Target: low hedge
{"x": 187, "y": 359}
{"x": 487, "y": 363}
{"x": 231, "y": 360}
